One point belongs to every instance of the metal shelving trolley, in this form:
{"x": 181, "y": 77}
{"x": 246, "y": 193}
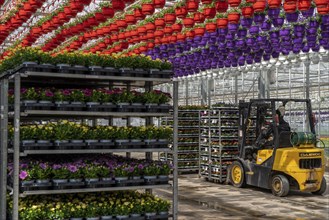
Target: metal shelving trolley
{"x": 188, "y": 139}
{"x": 218, "y": 141}
{"x": 20, "y": 114}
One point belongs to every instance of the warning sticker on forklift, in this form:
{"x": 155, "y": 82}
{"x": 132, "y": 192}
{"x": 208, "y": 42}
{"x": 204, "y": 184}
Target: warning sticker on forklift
{"x": 312, "y": 154}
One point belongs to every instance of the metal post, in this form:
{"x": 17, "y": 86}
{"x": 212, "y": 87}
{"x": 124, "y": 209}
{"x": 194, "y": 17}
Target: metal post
{"x": 186, "y": 93}
{"x": 236, "y": 90}
{"x": 16, "y": 146}
{"x": 175, "y": 151}
{"x": 307, "y": 64}
{"x": 209, "y": 87}
{"x": 4, "y": 147}
{"x": 290, "y": 116}
{"x": 242, "y": 82}
{"x": 276, "y": 82}
{"x": 319, "y": 104}
{"x": 203, "y": 92}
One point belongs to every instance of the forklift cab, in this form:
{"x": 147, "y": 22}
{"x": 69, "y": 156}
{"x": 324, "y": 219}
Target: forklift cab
{"x": 284, "y": 158}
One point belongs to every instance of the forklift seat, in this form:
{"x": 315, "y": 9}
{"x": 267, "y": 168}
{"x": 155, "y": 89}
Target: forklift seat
{"x": 284, "y": 139}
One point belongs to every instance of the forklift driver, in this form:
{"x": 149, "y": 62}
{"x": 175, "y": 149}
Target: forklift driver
{"x": 265, "y": 138}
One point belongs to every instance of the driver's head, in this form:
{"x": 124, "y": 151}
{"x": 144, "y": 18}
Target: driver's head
{"x": 280, "y": 111}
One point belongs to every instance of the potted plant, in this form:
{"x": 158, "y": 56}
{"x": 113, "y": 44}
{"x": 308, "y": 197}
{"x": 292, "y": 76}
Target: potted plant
{"x": 150, "y": 208}
{"x": 26, "y": 177}
{"x": 91, "y": 136}
{"x": 162, "y": 207}
{"x": 122, "y": 211}
{"x": 62, "y": 133}
{"x": 150, "y": 171}
{"x": 104, "y": 173}
{"x": 137, "y": 101}
{"x": 151, "y": 100}
{"x": 77, "y": 133}
{"x": 42, "y": 173}
{"x": 59, "y": 173}
{"x": 29, "y": 96}
{"x": 77, "y": 99}
{"x": 92, "y": 98}
{"x": 92, "y": 211}
{"x": 44, "y": 134}
{"x": 124, "y": 99}
{"x": 134, "y": 135}
{"x": 121, "y": 173}
{"x": 62, "y": 98}
{"x": 138, "y": 171}
{"x": 90, "y": 174}
{"x": 28, "y": 134}
{"x": 165, "y": 170}
{"x": 164, "y": 134}
{"x": 121, "y": 135}
{"x": 46, "y": 97}
{"x": 75, "y": 174}
{"x": 149, "y": 135}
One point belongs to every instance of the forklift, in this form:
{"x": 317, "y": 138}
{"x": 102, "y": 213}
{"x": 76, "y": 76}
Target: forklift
{"x": 284, "y": 159}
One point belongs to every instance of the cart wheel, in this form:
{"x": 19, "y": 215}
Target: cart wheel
{"x": 237, "y": 175}
{"x": 280, "y": 185}
{"x": 322, "y": 188}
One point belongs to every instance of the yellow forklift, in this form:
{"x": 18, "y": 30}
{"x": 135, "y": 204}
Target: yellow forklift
{"x": 274, "y": 156}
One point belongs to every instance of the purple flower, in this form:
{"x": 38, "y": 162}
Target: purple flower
{"x": 24, "y": 166}
{"x": 57, "y": 166}
{"x": 87, "y": 92}
{"x": 131, "y": 169}
{"x": 140, "y": 166}
{"x": 43, "y": 166}
{"x": 66, "y": 92}
{"x": 49, "y": 93}
{"x": 23, "y": 175}
{"x": 72, "y": 168}
{"x": 23, "y": 90}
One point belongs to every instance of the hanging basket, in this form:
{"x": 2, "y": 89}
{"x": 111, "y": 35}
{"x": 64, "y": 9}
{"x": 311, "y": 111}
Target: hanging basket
{"x": 118, "y": 5}
{"x": 247, "y": 12}
{"x": 234, "y": 3}
{"x": 323, "y": 10}
{"x": 167, "y": 30}
{"x": 108, "y": 12}
{"x": 139, "y": 14}
{"x": 192, "y": 5}
{"x": 233, "y": 18}
{"x": 274, "y": 3}
{"x": 121, "y": 23}
{"x": 321, "y": 3}
{"x": 181, "y": 12}
{"x": 148, "y": 9}
{"x": 170, "y": 18}
{"x": 209, "y": 13}
{"x": 176, "y": 28}
{"x": 211, "y": 27}
{"x": 290, "y": 7}
{"x": 222, "y": 23}
{"x": 130, "y": 19}
{"x": 259, "y": 6}
{"x": 199, "y": 17}
{"x": 159, "y": 3}
{"x": 304, "y": 5}
{"x": 188, "y": 22}
{"x": 221, "y": 6}
{"x": 150, "y": 27}
{"x": 158, "y": 34}
{"x": 159, "y": 23}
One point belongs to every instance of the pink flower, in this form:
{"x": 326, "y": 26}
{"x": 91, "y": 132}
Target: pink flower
{"x": 23, "y": 175}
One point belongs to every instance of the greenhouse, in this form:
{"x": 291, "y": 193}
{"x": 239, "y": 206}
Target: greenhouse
{"x": 164, "y": 109}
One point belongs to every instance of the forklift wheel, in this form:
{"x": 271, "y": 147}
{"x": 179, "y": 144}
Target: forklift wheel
{"x": 237, "y": 175}
{"x": 322, "y": 188}
{"x": 280, "y": 185}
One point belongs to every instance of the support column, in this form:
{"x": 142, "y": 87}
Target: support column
{"x": 3, "y": 146}
{"x": 175, "y": 151}
{"x": 236, "y": 90}
{"x": 204, "y": 85}
{"x": 186, "y": 92}
{"x": 307, "y": 64}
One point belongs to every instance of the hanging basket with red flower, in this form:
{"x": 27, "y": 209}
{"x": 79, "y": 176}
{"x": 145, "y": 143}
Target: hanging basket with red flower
{"x": 150, "y": 27}
{"x": 159, "y": 23}
{"x": 234, "y": 3}
{"x": 274, "y": 3}
{"x": 159, "y": 3}
{"x": 169, "y": 16}
{"x": 321, "y": 3}
{"x": 233, "y": 16}
{"x": 221, "y": 6}
{"x": 199, "y": 30}
{"x": 304, "y": 5}
{"x": 188, "y": 22}
{"x": 130, "y": 19}
{"x": 323, "y": 10}
{"x": 148, "y": 8}
{"x": 259, "y": 6}
{"x": 181, "y": 12}
{"x": 211, "y": 25}
{"x": 199, "y": 17}
{"x": 118, "y": 5}
{"x": 209, "y": 11}
{"x": 167, "y": 30}
{"x": 177, "y": 27}
{"x": 247, "y": 9}
{"x": 290, "y": 7}
{"x": 192, "y": 5}
{"x": 139, "y": 14}
{"x": 190, "y": 34}
{"x": 108, "y": 12}
{"x": 158, "y": 34}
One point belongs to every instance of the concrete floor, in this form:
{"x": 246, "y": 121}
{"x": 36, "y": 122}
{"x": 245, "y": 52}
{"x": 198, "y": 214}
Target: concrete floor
{"x": 202, "y": 200}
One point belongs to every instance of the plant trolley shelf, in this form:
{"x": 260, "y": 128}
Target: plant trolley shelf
{"x": 67, "y": 101}
{"x": 218, "y": 141}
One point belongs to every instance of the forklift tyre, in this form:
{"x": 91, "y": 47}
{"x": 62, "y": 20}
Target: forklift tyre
{"x": 237, "y": 176}
{"x": 280, "y": 185}
{"x": 322, "y": 188}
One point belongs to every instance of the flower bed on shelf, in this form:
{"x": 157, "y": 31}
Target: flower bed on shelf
{"x": 34, "y": 59}
{"x": 89, "y": 171}
{"x": 70, "y": 135}
{"x": 106, "y": 100}
{"x": 93, "y": 206}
